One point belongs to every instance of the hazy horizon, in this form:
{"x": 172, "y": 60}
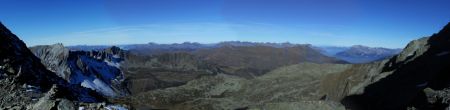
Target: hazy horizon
{"x": 390, "y": 24}
{"x": 213, "y": 43}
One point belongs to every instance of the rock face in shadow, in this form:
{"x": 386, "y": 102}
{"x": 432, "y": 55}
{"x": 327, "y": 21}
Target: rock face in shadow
{"x": 23, "y": 78}
{"x": 424, "y": 63}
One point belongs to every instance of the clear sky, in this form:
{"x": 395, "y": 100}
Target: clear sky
{"x": 385, "y": 23}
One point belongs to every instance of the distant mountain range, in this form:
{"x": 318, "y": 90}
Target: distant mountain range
{"x": 359, "y": 53}
{"x": 353, "y": 54}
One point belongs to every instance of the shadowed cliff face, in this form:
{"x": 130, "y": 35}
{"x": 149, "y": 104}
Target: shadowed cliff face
{"x": 16, "y": 59}
{"x": 424, "y": 63}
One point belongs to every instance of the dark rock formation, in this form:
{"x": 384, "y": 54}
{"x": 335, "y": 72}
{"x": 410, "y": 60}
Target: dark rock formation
{"x": 424, "y": 63}
{"x": 24, "y": 79}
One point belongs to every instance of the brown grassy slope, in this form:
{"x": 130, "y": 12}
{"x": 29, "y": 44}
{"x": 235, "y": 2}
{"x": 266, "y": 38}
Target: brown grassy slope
{"x": 290, "y": 85}
{"x": 148, "y": 72}
{"x": 251, "y": 61}
{"x": 304, "y": 85}
{"x": 165, "y": 70}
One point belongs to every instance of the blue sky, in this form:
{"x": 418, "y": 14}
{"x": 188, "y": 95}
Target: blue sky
{"x": 383, "y": 23}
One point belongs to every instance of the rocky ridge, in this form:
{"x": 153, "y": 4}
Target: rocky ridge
{"x": 97, "y": 70}
{"x": 423, "y": 64}
{"x": 27, "y": 84}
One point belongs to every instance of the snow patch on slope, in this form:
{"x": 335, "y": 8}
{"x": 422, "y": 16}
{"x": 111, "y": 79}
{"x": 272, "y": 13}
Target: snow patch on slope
{"x": 96, "y": 74}
{"x": 115, "y": 107}
{"x": 98, "y": 86}
{"x": 114, "y": 64}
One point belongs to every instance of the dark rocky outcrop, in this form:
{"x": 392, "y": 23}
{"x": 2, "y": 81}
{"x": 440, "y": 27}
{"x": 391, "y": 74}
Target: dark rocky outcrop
{"x": 24, "y": 79}
{"x": 424, "y": 63}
